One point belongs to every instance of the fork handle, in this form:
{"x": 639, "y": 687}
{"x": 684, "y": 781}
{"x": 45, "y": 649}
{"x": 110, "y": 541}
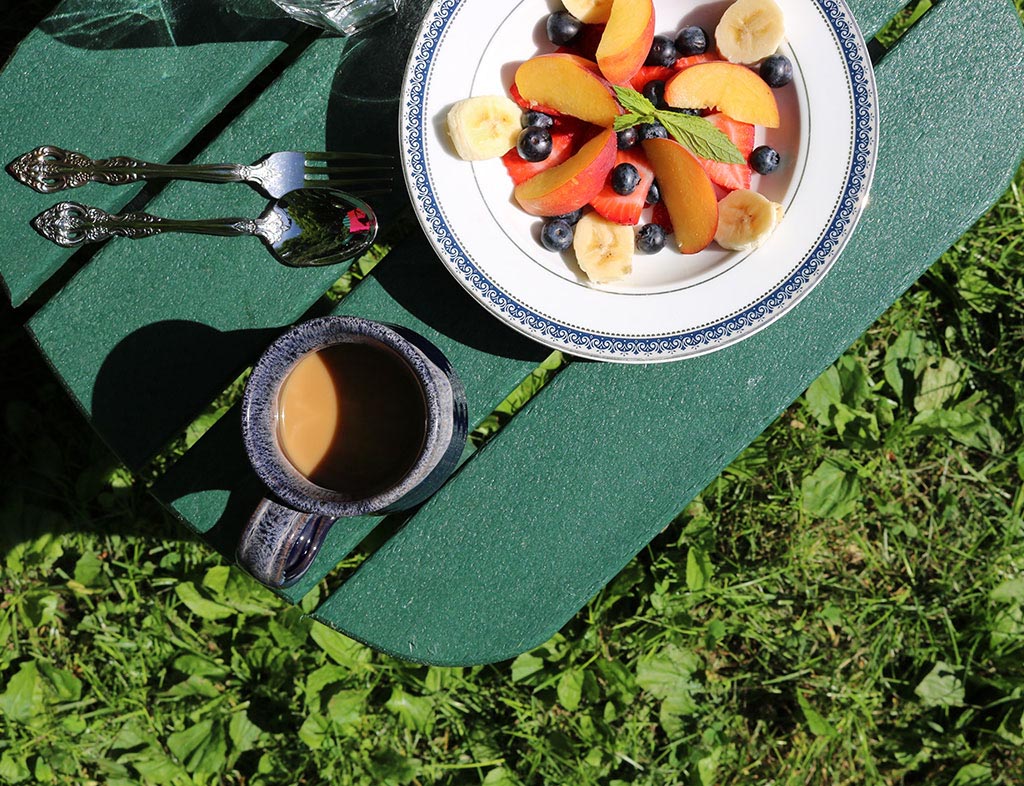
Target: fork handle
{"x": 70, "y": 224}
{"x": 49, "y": 169}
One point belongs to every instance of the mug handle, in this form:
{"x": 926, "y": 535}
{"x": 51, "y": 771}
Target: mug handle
{"x": 279, "y": 544}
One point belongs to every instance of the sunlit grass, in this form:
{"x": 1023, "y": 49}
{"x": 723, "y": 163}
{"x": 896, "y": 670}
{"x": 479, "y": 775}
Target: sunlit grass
{"x": 842, "y": 606}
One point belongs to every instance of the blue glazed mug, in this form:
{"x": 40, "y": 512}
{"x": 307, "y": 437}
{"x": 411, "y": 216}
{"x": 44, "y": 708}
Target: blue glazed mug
{"x": 287, "y": 528}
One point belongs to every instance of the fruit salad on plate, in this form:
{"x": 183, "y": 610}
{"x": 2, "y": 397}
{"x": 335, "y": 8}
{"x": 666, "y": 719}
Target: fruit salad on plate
{"x": 620, "y": 139}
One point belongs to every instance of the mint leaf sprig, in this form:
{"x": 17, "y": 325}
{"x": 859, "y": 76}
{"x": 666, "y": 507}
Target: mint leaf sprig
{"x": 694, "y": 133}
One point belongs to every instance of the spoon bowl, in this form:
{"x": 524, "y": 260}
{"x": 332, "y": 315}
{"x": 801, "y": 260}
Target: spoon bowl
{"x": 313, "y": 227}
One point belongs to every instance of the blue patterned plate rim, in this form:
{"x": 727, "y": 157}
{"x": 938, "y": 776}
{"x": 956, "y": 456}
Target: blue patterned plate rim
{"x": 549, "y": 329}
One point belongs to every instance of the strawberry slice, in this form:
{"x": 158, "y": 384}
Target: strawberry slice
{"x": 513, "y": 91}
{"x": 692, "y": 60}
{"x": 731, "y": 176}
{"x": 625, "y": 209}
{"x": 587, "y": 41}
{"x": 649, "y": 74}
{"x": 659, "y": 216}
{"x": 561, "y": 150}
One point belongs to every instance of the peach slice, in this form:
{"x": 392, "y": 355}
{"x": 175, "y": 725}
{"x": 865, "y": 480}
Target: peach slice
{"x": 569, "y": 85}
{"x": 627, "y": 39}
{"x": 687, "y": 193}
{"x": 571, "y": 185}
{"x": 732, "y": 89}
{"x": 590, "y": 12}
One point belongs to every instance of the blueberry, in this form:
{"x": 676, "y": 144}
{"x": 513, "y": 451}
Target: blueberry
{"x": 654, "y": 91}
{"x": 764, "y": 160}
{"x": 537, "y": 119}
{"x": 625, "y": 179}
{"x": 678, "y": 111}
{"x": 556, "y": 235}
{"x": 653, "y": 193}
{"x": 663, "y": 52}
{"x": 650, "y": 239}
{"x": 563, "y": 27}
{"x": 652, "y": 131}
{"x": 777, "y": 71}
{"x": 691, "y": 41}
{"x": 570, "y": 218}
{"x": 628, "y": 138}
{"x": 534, "y": 144}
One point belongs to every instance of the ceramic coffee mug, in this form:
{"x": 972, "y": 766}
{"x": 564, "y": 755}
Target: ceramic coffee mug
{"x": 343, "y": 417}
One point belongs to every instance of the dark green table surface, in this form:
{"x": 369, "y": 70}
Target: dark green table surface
{"x": 145, "y": 335}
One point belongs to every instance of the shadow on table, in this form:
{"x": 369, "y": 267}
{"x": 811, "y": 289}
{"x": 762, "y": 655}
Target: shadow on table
{"x": 160, "y": 377}
{"x": 362, "y": 114}
{"x": 55, "y": 469}
{"x": 214, "y": 485}
{"x": 417, "y": 280}
{"x": 130, "y": 24}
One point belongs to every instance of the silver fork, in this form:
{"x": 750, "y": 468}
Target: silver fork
{"x": 49, "y": 169}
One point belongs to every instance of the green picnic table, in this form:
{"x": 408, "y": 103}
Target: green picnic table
{"x": 146, "y": 334}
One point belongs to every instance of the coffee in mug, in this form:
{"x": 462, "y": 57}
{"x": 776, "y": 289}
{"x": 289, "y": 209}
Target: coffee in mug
{"x": 351, "y": 417}
{"x": 343, "y": 417}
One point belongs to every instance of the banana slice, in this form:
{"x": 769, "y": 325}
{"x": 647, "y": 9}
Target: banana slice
{"x": 746, "y": 220}
{"x": 604, "y": 250}
{"x": 750, "y": 30}
{"x": 592, "y": 12}
{"x": 484, "y": 127}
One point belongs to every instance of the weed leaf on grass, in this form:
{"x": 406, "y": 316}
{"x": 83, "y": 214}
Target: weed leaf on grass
{"x": 969, "y": 427}
{"x": 200, "y": 606}
{"x": 23, "y": 699}
{"x": 973, "y": 775}
{"x": 155, "y": 766}
{"x": 698, "y": 569}
{"x": 817, "y": 724}
{"x": 314, "y": 731}
{"x": 340, "y": 648}
{"x": 345, "y": 708}
{"x": 940, "y": 382}
{"x": 526, "y": 665}
{"x": 66, "y": 686}
{"x": 319, "y": 681}
{"x": 831, "y": 491}
{"x": 415, "y": 712}
{"x": 669, "y": 676}
{"x": 393, "y": 769}
{"x": 202, "y": 748}
{"x": 904, "y": 360}
{"x": 941, "y": 687}
{"x": 13, "y": 768}
{"x": 570, "y": 689}
{"x": 839, "y": 399}
{"x": 500, "y": 776}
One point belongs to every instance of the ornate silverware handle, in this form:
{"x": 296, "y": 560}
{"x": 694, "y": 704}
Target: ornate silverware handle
{"x": 50, "y": 169}
{"x": 70, "y": 224}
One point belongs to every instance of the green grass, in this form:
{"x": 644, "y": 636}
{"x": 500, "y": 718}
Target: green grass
{"x": 844, "y": 605}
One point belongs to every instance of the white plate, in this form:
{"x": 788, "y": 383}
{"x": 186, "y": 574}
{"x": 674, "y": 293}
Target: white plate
{"x": 671, "y": 306}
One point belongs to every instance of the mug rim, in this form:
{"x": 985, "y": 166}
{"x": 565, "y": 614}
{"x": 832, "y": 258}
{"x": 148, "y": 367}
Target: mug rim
{"x": 259, "y": 429}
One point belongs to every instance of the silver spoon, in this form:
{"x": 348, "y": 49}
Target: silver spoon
{"x": 308, "y": 227}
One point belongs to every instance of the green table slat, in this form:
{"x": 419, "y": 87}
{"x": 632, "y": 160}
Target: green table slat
{"x": 872, "y": 14}
{"x": 600, "y": 462}
{"x": 151, "y": 330}
{"x": 213, "y": 489}
{"x": 114, "y": 83}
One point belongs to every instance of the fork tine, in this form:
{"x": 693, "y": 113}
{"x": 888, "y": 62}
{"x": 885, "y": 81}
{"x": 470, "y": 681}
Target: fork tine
{"x": 351, "y": 185}
{"x": 347, "y": 170}
{"x": 329, "y": 155}
{"x": 362, "y": 193}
